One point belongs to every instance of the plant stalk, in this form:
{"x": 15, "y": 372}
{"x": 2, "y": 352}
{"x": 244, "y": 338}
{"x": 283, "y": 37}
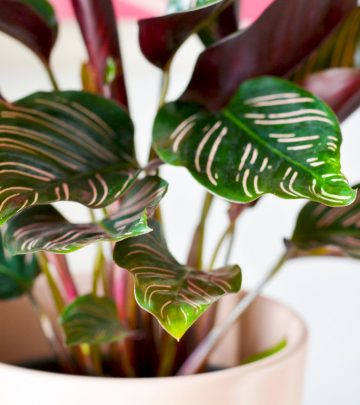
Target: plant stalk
{"x": 51, "y": 335}
{"x": 52, "y": 77}
{"x": 228, "y": 232}
{"x": 60, "y": 264}
{"x": 196, "y": 360}
{"x": 197, "y": 245}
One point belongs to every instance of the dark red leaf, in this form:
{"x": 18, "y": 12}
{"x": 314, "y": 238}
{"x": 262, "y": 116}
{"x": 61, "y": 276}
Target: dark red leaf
{"x": 34, "y": 26}
{"x": 98, "y": 26}
{"x": 225, "y": 24}
{"x": 161, "y": 37}
{"x": 281, "y": 38}
{"x": 340, "y": 88}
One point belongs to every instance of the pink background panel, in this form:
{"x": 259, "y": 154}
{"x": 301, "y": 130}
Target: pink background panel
{"x": 135, "y": 9}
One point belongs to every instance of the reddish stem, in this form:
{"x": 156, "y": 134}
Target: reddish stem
{"x": 62, "y": 268}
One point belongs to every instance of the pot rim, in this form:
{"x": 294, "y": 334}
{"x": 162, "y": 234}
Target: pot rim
{"x": 269, "y": 362}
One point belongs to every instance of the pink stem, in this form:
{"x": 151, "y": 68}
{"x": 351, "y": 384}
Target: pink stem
{"x": 62, "y": 268}
{"x": 119, "y": 290}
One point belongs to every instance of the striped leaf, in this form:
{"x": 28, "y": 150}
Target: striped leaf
{"x": 32, "y": 22}
{"x": 175, "y": 294}
{"x": 324, "y": 230}
{"x": 92, "y": 320}
{"x": 340, "y": 50}
{"x": 274, "y": 137}
{"x": 285, "y": 34}
{"x": 17, "y": 274}
{"x": 160, "y": 37}
{"x": 44, "y": 228}
{"x": 63, "y": 146}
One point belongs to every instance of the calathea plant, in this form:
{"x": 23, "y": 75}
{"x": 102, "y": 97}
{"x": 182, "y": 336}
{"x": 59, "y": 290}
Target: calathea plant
{"x": 259, "y": 116}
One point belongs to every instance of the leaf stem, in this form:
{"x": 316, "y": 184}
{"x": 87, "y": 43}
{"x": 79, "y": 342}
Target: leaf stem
{"x": 168, "y": 356}
{"x": 197, "y": 245}
{"x": 62, "y": 268}
{"x": 228, "y": 232}
{"x": 52, "y": 77}
{"x": 195, "y": 361}
{"x": 57, "y": 297}
{"x": 51, "y": 335}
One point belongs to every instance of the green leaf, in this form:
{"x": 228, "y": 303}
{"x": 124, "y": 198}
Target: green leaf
{"x": 64, "y": 146}
{"x": 44, "y": 228}
{"x": 32, "y": 22}
{"x": 340, "y": 50}
{"x": 176, "y": 295}
{"x": 92, "y": 320}
{"x": 266, "y": 353}
{"x": 326, "y": 231}
{"x": 273, "y": 137}
{"x": 17, "y": 274}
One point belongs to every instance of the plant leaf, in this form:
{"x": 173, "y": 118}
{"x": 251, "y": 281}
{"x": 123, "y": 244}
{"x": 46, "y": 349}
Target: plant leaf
{"x": 274, "y": 137}
{"x": 161, "y": 37}
{"x": 98, "y": 26}
{"x": 340, "y": 50}
{"x": 44, "y": 228}
{"x": 31, "y": 22}
{"x": 176, "y": 295}
{"x": 303, "y": 25}
{"x": 17, "y": 274}
{"x": 339, "y": 88}
{"x": 64, "y": 146}
{"x": 266, "y": 353}
{"x": 92, "y": 320}
{"x": 329, "y": 231}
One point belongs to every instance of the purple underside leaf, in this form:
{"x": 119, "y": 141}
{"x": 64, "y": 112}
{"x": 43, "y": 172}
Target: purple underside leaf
{"x": 161, "y": 37}
{"x": 31, "y": 22}
{"x": 98, "y": 26}
{"x": 297, "y": 26}
{"x": 176, "y": 295}
{"x": 339, "y": 88}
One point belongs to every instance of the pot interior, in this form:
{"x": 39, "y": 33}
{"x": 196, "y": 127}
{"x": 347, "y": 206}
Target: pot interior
{"x": 264, "y": 324}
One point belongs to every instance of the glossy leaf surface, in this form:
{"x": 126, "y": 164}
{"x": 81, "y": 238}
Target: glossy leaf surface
{"x": 32, "y": 22}
{"x": 340, "y": 50}
{"x": 297, "y": 26}
{"x": 64, "y": 146}
{"x": 98, "y": 26}
{"x": 161, "y": 37}
{"x": 274, "y": 137}
{"x": 17, "y": 274}
{"x": 339, "y": 88}
{"x": 92, "y": 320}
{"x": 44, "y": 228}
{"x": 175, "y": 294}
{"x": 326, "y": 231}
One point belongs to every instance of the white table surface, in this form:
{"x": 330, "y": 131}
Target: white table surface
{"x": 325, "y": 291}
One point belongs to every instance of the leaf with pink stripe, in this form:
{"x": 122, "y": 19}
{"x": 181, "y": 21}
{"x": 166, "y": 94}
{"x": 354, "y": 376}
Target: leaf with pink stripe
{"x": 328, "y": 231}
{"x": 176, "y": 295}
{"x": 64, "y": 146}
{"x": 43, "y": 228}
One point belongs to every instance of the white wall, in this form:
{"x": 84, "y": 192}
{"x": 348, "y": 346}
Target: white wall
{"x": 324, "y": 291}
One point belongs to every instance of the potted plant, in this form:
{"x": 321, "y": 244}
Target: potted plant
{"x": 259, "y": 116}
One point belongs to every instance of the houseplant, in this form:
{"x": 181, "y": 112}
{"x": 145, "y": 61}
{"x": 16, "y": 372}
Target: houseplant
{"x": 63, "y": 146}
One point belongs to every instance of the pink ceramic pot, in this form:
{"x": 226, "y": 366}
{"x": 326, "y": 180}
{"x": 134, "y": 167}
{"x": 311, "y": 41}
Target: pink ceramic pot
{"x": 277, "y": 380}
